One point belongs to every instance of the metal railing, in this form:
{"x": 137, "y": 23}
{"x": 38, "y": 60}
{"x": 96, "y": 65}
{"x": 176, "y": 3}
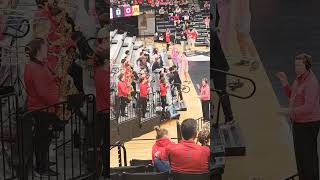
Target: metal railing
{"x": 293, "y": 177}
{"x": 8, "y": 119}
{"x": 62, "y": 136}
{"x": 231, "y": 94}
{"x": 121, "y": 148}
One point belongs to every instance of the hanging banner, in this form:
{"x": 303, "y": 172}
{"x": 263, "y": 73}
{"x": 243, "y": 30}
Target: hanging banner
{"x": 127, "y": 11}
{"x": 136, "y": 10}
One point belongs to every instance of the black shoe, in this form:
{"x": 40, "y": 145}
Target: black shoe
{"x": 45, "y": 172}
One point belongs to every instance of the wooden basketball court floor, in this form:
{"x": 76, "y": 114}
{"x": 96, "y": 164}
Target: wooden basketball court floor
{"x": 269, "y": 154}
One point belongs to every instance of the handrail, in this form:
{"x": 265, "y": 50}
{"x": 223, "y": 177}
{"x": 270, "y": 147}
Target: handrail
{"x": 241, "y": 77}
{"x": 292, "y": 177}
{"x": 120, "y": 145}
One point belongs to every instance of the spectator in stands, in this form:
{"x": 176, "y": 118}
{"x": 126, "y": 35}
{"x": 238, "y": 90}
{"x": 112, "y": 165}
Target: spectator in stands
{"x": 162, "y": 141}
{"x": 144, "y": 91}
{"x": 304, "y": 111}
{"x": 161, "y": 12}
{"x": 184, "y": 67}
{"x": 205, "y": 98}
{"x": 175, "y": 81}
{"x": 178, "y": 10}
{"x": 123, "y": 92}
{"x": 193, "y": 34}
{"x": 168, "y": 34}
{"x": 42, "y": 91}
{"x": 206, "y": 6}
{"x": 204, "y": 138}
{"x": 207, "y": 22}
{"x": 176, "y": 20}
{"x": 187, "y": 156}
{"x": 163, "y": 93}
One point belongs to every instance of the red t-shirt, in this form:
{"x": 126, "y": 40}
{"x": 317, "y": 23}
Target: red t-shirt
{"x": 101, "y": 81}
{"x": 41, "y": 86}
{"x": 163, "y": 89}
{"x": 144, "y": 89}
{"x": 123, "y": 90}
{"x": 167, "y": 37}
{"x": 160, "y": 146}
{"x": 187, "y": 157}
{"x": 193, "y": 35}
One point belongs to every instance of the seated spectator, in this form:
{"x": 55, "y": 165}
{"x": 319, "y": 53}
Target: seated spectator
{"x": 204, "y": 137}
{"x": 187, "y": 156}
{"x": 161, "y": 143}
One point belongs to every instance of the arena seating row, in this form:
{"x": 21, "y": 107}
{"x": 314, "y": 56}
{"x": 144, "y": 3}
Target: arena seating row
{"x": 197, "y": 22}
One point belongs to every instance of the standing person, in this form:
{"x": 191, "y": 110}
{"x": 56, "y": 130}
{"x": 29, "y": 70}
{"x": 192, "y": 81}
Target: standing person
{"x": 144, "y": 91}
{"x": 224, "y": 11}
{"x": 193, "y": 37}
{"x": 42, "y": 91}
{"x": 101, "y": 81}
{"x": 184, "y": 67}
{"x": 123, "y": 92}
{"x": 207, "y": 22}
{"x": 219, "y": 78}
{"x": 242, "y": 27}
{"x": 175, "y": 81}
{"x": 163, "y": 93}
{"x": 304, "y": 111}
{"x": 168, "y": 38}
{"x": 174, "y": 54}
{"x": 205, "y": 98}
{"x": 162, "y": 141}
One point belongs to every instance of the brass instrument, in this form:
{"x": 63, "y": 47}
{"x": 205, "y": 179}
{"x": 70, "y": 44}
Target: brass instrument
{"x": 66, "y": 85}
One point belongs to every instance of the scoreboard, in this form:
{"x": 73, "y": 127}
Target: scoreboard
{"x": 125, "y": 11}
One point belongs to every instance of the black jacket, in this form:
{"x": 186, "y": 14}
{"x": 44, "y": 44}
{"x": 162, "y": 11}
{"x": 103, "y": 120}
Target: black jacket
{"x": 219, "y": 60}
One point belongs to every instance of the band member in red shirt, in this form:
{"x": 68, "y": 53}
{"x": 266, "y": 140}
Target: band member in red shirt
{"x": 42, "y": 91}
{"x": 304, "y": 111}
{"x": 102, "y": 81}
{"x": 193, "y": 34}
{"x": 168, "y": 38}
{"x": 123, "y": 92}
{"x": 205, "y": 98}
{"x": 163, "y": 93}
{"x": 187, "y": 156}
{"x": 144, "y": 91}
{"x": 163, "y": 140}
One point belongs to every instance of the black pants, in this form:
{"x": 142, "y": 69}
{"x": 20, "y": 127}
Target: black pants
{"x": 43, "y": 137}
{"x": 220, "y": 83}
{"x": 168, "y": 45}
{"x": 143, "y": 106}
{"x": 163, "y": 102}
{"x": 123, "y": 104}
{"x": 305, "y": 146}
{"x": 102, "y": 138}
{"x": 206, "y": 110}
{"x": 178, "y": 86}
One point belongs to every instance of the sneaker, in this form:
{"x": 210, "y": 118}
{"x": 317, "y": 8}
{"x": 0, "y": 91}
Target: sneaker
{"x": 45, "y": 172}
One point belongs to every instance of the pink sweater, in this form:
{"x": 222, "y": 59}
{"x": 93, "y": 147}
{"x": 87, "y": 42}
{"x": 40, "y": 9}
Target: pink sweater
{"x": 205, "y": 93}
{"x": 304, "y": 98}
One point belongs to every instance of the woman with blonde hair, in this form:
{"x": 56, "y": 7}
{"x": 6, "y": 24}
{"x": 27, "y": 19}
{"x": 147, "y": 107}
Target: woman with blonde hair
{"x": 162, "y": 141}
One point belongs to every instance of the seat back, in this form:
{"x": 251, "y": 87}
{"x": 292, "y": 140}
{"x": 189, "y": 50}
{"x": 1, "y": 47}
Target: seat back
{"x": 145, "y": 176}
{"x": 128, "y": 169}
{"x": 180, "y": 176}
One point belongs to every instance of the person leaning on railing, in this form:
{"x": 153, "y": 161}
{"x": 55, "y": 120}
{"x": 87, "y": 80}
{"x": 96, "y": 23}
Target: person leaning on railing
{"x": 42, "y": 91}
{"x": 304, "y": 111}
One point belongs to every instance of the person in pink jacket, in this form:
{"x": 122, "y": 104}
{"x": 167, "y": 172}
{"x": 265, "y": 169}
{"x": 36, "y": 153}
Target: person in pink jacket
{"x": 205, "y": 98}
{"x": 184, "y": 67}
{"x": 304, "y": 111}
{"x": 159, "y": 147}
{"x": 174, "y": 55}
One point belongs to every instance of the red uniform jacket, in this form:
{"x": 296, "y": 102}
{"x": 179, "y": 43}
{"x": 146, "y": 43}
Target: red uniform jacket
{"x": 143, "y": 89}
{"x": 123, "y": 90}
{"x": 160, "y": 146}
{"x": 102, "y": 80}
{"x": 41, "y": 86}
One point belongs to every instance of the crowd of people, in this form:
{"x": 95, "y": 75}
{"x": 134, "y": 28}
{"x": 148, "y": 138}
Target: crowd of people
{"x": 187, "y": 156}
